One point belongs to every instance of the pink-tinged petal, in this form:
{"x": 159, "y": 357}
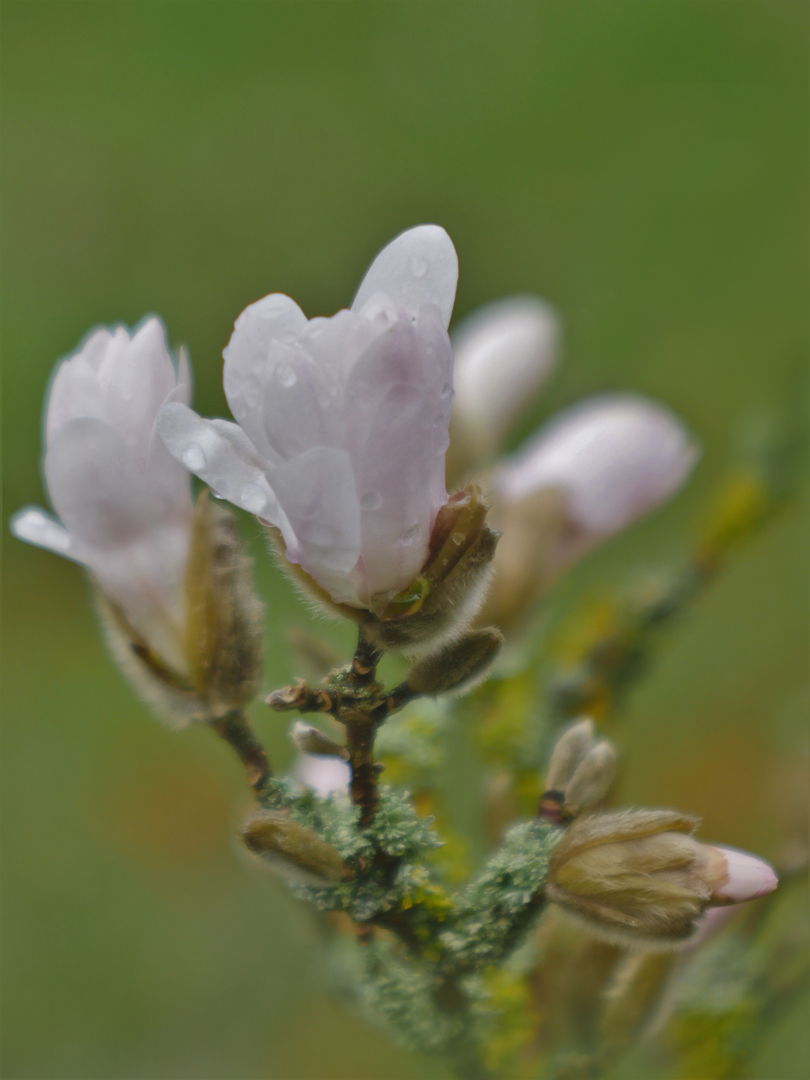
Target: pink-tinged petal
{"x": 75, "y": 392}
{"x": 136, "y": 382}
{"x": 419, "y": 267}
{"x": 616, "y": 457}
{"x": 504, "y": 352}
{"x": 167, "y": 479}
{"x": 316, "y": 491}
{"x": 300, "y": 403}
{"x": 36, "y": 527}
{"x": 276, "y": 318}
{"x": 747, "y": 876}
{"x": 221, "y": 455}
{"x": 323, "y": 775}
{"x": 185, "y": 381}
{"x": 94, "y": 485}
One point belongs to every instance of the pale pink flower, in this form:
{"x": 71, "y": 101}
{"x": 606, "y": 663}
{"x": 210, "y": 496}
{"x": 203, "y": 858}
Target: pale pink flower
{"x": 504, "y": 353}
{"x": 342, "y": 422}
{"x": 124, "y": 502}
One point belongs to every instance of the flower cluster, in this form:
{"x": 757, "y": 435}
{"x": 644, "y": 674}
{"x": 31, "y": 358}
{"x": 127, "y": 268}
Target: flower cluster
{"x": 346, "y": 434}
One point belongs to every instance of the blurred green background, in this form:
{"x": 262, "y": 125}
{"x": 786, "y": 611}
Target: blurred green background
{"x": 643, "y": 165}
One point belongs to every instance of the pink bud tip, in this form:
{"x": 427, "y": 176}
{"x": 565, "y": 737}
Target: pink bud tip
{"x": 747, "y": 876}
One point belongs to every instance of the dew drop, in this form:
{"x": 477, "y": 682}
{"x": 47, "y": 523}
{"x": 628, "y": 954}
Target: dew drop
{"x": 446, "y": 389}
{"x": 445, "y": 444}
{"x": 253, "y": 498}
{"x": 372, "y": 500}
{"x": 419, "y": 266}
{"x": 410, "y": 535}
{"x": 286, "y": 376}
{"x": 193, "y": 457}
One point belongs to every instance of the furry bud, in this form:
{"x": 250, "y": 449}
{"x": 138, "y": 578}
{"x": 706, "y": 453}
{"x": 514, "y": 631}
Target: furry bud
{"x": 273, "y": 835}
{"x": 309, "y": 740}
{"x": 591, "y": 780}
{"x": 222, "y": 631}
{"x": 569, "y": 750}
{"x": 639, "y": 876}
{"x": 445, "y": 597}
{"x": 456, "y": 667}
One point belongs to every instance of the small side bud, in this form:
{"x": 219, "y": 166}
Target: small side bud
{"x": 274, "y": 836}
{"x": 447, "y": 594}
{"x": 309, "y": 740}
{"x": 569, "y": 750}
{"x": 458, "y": 666}
{"x": 591, "y": 780}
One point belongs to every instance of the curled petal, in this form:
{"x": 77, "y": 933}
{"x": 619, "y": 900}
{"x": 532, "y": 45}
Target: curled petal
{"x": 36, "y": 527}
{"x": 420, "y": 266}
{"x": 221, "y": 455}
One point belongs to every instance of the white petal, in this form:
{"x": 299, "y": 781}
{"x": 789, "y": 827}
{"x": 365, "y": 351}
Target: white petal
{"x": 504, "y": 352}
{"x": 420, "y": 266}
{"x": 247, "y": 366}
{"x": 316, "y": 491}
{"x": 221, "y": 455}
{"x": 617, "y": 457}
{"x": 167, "y": 479}
{"x": 323, "y": 775}
{"x": 94, "y": 486}
{"x": 36, "y": 527}
{"x": 747, "y": 877}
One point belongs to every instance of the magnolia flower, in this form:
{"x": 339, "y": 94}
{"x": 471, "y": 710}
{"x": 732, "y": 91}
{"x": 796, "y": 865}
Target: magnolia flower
{"x": 124, "y": 502}
{"x": 586, "y": 475}
{"x": 504, "y": 353}
{"x": 175, "y": 599}
{"x": 342, "y": 422}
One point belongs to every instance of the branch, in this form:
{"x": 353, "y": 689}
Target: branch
{"x": 234, "y": 727}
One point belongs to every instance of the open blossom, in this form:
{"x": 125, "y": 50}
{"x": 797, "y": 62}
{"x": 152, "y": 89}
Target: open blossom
{"x": 342, "y": 422}
{"x": 504, "y": 353}
{"x": 124, "y": 502}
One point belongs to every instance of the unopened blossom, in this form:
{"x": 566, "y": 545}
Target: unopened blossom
{"x": 342, "y": 422}
{"x": 589, "y": 473}
{"x": 639, "y": 875}
{"x": 323, "y": 774}
{"x": 504, "y": 353}
{"x": 123, "y": 501}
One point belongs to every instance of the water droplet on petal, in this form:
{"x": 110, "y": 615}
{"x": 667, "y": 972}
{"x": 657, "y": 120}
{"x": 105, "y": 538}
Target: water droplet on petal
{"x": 410, "y": 535}
{"x": 372, "y": 500}
{"x": 286, "y": 376}
{"x": 419, "y": 266}
{"x": 252, "y": 498}
{"x": 193, "y": 457}
{"x": 445, "y": 444}
{"x": 446, "y": 389}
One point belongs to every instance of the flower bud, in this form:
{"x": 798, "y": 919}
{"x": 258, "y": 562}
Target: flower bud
{"x": 585, "y": 476}
{"x": 503, "y": 352}
{"x": 591, "y": 780}
{"x": 456, "y": 667}
{"x": 274, "y": 836}
{"x": 310, "y": 740}
{"x": 639, "y": 876}
{"x": 569, "y": 750}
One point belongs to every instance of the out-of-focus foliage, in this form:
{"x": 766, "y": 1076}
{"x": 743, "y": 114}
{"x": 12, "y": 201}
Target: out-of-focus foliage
{"x": 643, "y": 167}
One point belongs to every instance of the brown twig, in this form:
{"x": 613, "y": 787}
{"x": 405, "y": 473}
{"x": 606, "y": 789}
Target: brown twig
{"x": 234, "y": 727}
